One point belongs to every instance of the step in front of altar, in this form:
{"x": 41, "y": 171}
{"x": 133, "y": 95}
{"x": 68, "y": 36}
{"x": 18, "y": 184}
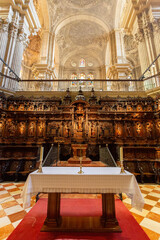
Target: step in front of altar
{"x": 77, "y": 160}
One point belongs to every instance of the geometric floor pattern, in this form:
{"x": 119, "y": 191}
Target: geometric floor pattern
{"x": 12, "y": 212}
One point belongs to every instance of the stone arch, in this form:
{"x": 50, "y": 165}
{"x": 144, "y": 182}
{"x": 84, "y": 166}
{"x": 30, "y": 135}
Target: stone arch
{"x": 73, "y": 53}
{"x": 45, "y": 14}
{"x": 80, "y": 18}
{"x": 119, "y": 8}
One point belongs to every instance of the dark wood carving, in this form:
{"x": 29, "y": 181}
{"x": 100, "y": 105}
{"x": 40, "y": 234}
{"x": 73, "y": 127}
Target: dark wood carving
{"x": 132, "y": 122}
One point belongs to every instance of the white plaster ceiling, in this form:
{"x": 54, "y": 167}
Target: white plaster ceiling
{"x": 82, "y": 28}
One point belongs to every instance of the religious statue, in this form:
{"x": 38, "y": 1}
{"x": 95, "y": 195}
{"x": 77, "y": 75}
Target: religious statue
{"x": 21, "y": 128}
{"x": 11, "y": 128}
{"x": 1, "y": 128}
{"x": 66, "y": 130}
{"x": 80, "y": 123}
{"x": 31, "y": 129}
{"x": 119, "y": 130}
{"x": 93, "y": 130}
{"x": 80, "y": 108}
{"x": 128, "y": 129}
{"x": 149, "y": 129}
{"x": 41, "y": 128}
{"x": 138, "y": 128}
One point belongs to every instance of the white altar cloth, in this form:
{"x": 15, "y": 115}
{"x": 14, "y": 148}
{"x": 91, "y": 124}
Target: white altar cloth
{"x": 93, "y": 180}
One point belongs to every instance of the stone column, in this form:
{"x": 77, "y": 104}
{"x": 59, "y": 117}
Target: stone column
{"x": 150, "y": 44}
{"x": 45, "y": 68}
{"x": 4, "y": 26}
{"x": 17, "y": 57}
{"x": 156, "y": 33}
{"x": 13, "y": 30}
{"x": 120, "y": 68}
{"x": 142, "y": 50}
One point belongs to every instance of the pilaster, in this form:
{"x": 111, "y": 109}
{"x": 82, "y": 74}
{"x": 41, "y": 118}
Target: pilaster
{"x": 4, "y": 28}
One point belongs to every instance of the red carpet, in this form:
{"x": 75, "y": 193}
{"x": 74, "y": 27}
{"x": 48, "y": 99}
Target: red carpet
{"x": 29, "y": 228}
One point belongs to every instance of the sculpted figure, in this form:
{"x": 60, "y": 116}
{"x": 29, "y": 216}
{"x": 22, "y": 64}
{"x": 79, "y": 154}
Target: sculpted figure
{"x": 1, "y": 128}
{"x": 41, "y": 128}
{"x": 149, "y": 129}
{"x": 31, "y": 129}
{"x": 138, "y": 128}
{"x": 11, "y": 128}
{"x": 93, "y": 130}
{"x": 80, "y": 123}
{"x": 119, "y": 130}
{"x": 21, "y": 128}
{"x": 128, "y": 129}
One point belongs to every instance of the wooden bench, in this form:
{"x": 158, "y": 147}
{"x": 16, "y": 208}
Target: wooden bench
{"x": 147, "y": 169}
{"x": 132, "y": 167}
{"x": 27, "y": 167}
{"x": 10, "y": 170}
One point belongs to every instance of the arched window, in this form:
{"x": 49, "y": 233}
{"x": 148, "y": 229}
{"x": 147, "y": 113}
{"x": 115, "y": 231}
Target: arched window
{"x": 82, "y": 62}
{"x": 82, "y": 76}
{"x": 74, "y": 77}
{"x": 90, "y": 76}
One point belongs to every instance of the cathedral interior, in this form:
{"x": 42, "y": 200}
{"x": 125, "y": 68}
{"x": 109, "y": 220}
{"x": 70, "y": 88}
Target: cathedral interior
{"x": 80, "y": 80}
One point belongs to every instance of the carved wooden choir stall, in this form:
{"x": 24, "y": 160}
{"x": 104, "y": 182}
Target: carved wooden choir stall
{"x": 133, "y": 123}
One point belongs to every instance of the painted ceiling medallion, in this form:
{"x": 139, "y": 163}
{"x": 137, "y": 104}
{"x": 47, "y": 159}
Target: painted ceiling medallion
{"x": 82, "y": 3}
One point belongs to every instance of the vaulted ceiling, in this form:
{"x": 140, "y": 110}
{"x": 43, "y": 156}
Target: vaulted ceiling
{"x": 81, "y": 28}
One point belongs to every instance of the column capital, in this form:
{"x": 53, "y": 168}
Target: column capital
{"x": 148, "y": 30}
{"x": 13, "y": 29}
{"x": 139, "y": 36}
{"x": 156, "y": 25}
{"x": 4, "y": 25}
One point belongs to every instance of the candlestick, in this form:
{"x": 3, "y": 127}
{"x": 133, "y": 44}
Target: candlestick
{"x": 41, "y": 159}
{"x": 121, "y": 160}
{"x": 80, "y": 171}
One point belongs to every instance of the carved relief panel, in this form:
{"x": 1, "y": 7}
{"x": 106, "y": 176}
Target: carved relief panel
{"x": 22, "y": 129}
{"x": 32, "y": 129}
{"x": 41, "y": 129}
{"x": 119, "y": 130}
{"x": 139, "y": 129}
{"x": 11, "y": 128}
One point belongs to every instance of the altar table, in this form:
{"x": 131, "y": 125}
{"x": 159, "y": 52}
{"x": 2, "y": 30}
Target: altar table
{"x": 95, "y": 180}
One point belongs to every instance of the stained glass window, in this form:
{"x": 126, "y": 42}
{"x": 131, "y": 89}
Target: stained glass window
{"x": 82, "y": 62}
{"x": 82, "y": 76}
{"x": 74, "y": 77}
{"x": 90, "y": 76}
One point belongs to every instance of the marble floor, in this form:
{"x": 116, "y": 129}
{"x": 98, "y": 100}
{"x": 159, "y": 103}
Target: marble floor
{"x": 12, "y": 212}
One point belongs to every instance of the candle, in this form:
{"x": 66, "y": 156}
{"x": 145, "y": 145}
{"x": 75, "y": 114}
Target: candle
{"x": 121, "y": 153}
{"x": 41, "y": 154}
{"x": 41, "y": 159}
